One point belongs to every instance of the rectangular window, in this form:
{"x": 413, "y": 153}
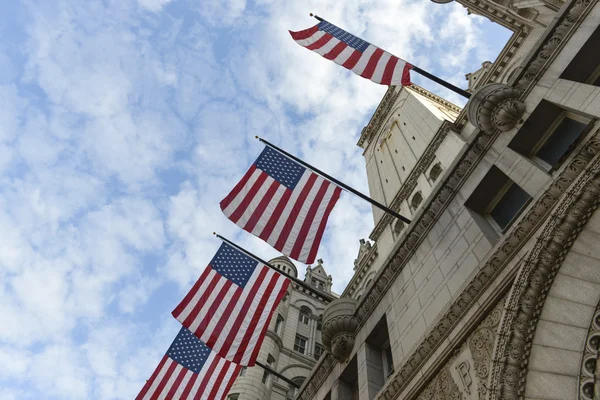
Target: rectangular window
{"x": 243, "y": 371}
{"x": 496, "y": 202}
{"x": 508, "y": 205}
{"x": 378, "y": 352}
{"x": 560, "y": 141}
{"x": 278, "y": 324}
{"x": 265, "y": 378}
{"x": 303, "y": 317}
{"x": 233, "y": 396}
{"x": 300, "y": 344}
{"x": 584, "y": 67}
{"x": 318, "y": 350}
{"x": 549, "y": 135}
{"x": 388, "y": 362}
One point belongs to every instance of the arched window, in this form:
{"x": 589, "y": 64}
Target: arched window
{"x": 291, "y": 393}
{"x": 266, "y": 379}
{"x": 416, "y": 200}
{"x": 278, "y": 324}
{"x": 435, "y": 172}
{"x": 398, "y": 227}
{"x": 304, "y": 315}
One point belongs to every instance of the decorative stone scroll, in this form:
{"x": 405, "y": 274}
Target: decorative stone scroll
{"x": 339, "y": 324}
{"x": 495, "y": 106}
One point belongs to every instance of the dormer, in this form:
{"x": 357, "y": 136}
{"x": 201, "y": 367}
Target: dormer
{"x": 317, "y": 276}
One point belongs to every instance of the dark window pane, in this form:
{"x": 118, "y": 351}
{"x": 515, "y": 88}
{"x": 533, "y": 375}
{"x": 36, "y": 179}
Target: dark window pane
{"x": 558, "y": 143}
{"x": 509, "y": 205}
{"x": 389, "y": 360}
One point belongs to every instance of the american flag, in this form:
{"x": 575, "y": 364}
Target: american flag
{"x": 190, "y": 370}
{"x": 284, "y": 204}
{"x": 355, "y": 54}
{"x": 231, "y": 304}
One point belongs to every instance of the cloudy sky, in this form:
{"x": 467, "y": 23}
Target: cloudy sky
{"x": 122, "y": 125}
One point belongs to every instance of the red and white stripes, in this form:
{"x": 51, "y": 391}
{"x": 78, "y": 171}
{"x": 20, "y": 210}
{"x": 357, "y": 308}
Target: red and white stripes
{"x": 374, "y": 63}
{"x": 172, "y": 381}
{"x": 292, "y": 221}
{"x": 229, "y": 319}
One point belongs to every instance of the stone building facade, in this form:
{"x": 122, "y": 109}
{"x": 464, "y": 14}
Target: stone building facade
{"x": 293, "y": 343}
{"x": 493, "y": 290}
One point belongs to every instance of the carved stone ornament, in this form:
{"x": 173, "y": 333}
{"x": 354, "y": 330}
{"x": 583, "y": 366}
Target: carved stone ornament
{"x": 533, "y": 282}
{"x": 339, "y": 324}
{"x": 589, "y": 386}
{"x": 495, "y": 106}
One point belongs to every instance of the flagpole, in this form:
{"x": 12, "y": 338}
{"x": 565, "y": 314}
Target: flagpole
{"x": 277, "y": 374}
{"x": 340, "y": 184}
{"x": 442, "y": 82}
{"x": 426, "y": 74}
{"x": 290, "y": 277}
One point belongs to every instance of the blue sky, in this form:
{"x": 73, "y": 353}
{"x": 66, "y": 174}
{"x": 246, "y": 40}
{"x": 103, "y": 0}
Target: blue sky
{"x": 122, "y": 125}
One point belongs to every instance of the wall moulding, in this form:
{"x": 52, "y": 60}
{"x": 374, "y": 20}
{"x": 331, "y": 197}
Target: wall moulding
{"x": 534, "y": 281}
{"x": 511, "y": 243}
{"x": 411, "y": 182}
{"x": 558, "y": 34}
{"x": 513, "y": 240}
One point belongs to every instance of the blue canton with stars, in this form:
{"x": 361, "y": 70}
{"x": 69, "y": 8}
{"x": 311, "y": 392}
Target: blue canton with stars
{"x": 279, "y": 167}
{"x": 233, "y": 264}
{"x": 189, "y": 351}
{"x": 344, "y": 36}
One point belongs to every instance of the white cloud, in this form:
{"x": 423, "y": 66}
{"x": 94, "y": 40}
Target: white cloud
{"x": 153, "y": 5}
{"x": 13, "y": 363}
{"x": 122, "y": 126}
{"x": 59, "y": 371}
{"x": 225, "y": 12}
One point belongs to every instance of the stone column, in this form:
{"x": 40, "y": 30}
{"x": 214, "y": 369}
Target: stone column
{"x": 312, "y": 326}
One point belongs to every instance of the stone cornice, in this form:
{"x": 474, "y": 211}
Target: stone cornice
{"x": 309, "y": 362}
{"x": 379, "y": 116}
{"x": 504, "y": 58}
{"x": 499, "y": 14}
{"x": 387, "y": 105}
{"x": 433, "y": 97}
{"x": 411, "y": 182}
{"x": 550, "y": 44}
{"x": 312, "y": 294}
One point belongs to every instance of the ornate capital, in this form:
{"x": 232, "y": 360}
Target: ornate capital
{"x": 339, "y": 324}
{"x": 495, "y": 106}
